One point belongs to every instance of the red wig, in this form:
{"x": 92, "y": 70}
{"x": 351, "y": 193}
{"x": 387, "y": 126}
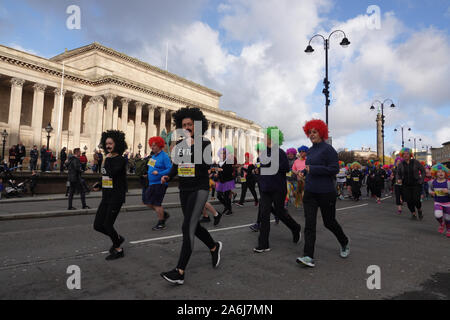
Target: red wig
{"x": 158, "y": 140}
{"x": 319, "y": 125}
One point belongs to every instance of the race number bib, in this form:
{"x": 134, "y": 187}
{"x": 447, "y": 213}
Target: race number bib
{"x": 152, "y": 163}
{"x": 243, "y": 180}
{"x": 107, "y": 182}
{"x": 355, "y": 179}
{"x": 289, "y": 174}
{"x": 258, "y": 165}
{"x": 440, "y": 192}
{"x": 186, "y": 170}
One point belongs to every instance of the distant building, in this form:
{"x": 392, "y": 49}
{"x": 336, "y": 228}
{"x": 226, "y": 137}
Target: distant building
{"x": 441, "y": 155}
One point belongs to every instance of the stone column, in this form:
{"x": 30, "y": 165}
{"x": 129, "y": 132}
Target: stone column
{"x": 229, "y": 135}
{"x": 15, "y": 110}
{"x": 173, "y": 126}
{"x": 137, "y": 127}
{"x": 38, "y": 113}
{"x": 223, "y": 140}
{"x": 151, "y": 128}
{"x": 55, "y": 118}
{"x": 115, "y": 118}
{"x": 162, "y": 119}
{"x": 124, "y": 118}
{"x": 109, "y": 110}
{"x": 95, "y": 122}
{"x": 209, "y": 131}
{"x": 77, "y": 103}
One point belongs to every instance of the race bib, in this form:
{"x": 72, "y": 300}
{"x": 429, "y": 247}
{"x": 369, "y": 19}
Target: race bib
{"x": 258, "y": 165}
{"x": 243, "y": 180}
{"x": 440, "y": 192}
{"x": 186, "y": 170}
{"x": 289, "y": 174}
{"x": 355, "y": 179}
{"x": 107, "y": 182}
{"x": 152, "y": 163}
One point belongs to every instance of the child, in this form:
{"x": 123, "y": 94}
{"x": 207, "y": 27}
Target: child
{"x": 439, "y": 189}
{"x": 341, "y": 179}
{"x": 427, "y": 179}
{"x": 356, "y": 180}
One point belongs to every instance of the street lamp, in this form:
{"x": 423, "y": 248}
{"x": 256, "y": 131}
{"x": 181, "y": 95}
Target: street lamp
{"x": 414, "y": 144}
{"x": 309, "y": 49}
{"x": 4, "y": 135}
{"x": 49, "y": 129}
{"x": 403, "y": 141}
{"x": 382, "y": 117}
{"x": 85, "y": 148}
{"x": 139, "y": 147}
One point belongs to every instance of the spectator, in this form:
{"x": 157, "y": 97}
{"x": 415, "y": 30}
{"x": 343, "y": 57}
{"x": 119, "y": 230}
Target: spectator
{"x": 95, "y": 166}
{"x": 34, "y": 155}
{"x": 12, "y": 157}
{"x": 51, "y": 159}
{"x": 100, "y": 161}
{"x": 20, "y": 154}
{"x": 43, "y": 159}
{"x": 83, "y": 161}
{"x": 62, "y": 158}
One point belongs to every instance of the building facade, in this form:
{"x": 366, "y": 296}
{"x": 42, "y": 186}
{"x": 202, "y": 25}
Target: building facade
{"x": 104, "y": 89}
{"x": 441, "y": 155}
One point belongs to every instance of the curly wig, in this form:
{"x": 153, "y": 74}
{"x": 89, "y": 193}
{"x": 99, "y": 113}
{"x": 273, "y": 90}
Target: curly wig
{"x": 341, "y": 164}
{"x": 398, "y": 159}
{"x": 317, "y": 124}
{"x": 227, "y": 152}
{"x": 260, "y": 146}
{"x": 437, "y": 167}
{"x": 377, "y": 164}
{"x": 291, "y": 151}
{"x": 191, "y": 113}
{"x": 158, "y": 140}
{"x": 120, "y": 145}
{"x": 356, "y": 165}
{"x": 402, "y": 152}
{"x": 273, "y": 130}
{"x": 303, "y": 149}
{"x": 230, "y": 149}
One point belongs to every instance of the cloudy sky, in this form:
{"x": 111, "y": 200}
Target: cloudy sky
{"x": 252, "y": 51}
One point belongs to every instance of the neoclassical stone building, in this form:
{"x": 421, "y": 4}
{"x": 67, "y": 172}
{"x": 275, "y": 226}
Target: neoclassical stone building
{"x": 105, "y": 89}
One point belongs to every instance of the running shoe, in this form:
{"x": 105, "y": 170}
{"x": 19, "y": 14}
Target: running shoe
{"x": 166, "y": 216}
{"x": 254, "y": 227}
{"x": 341, "y": 197}
{"x": 71, "y": 208}
{"x": 121, "y": 240}
{"x": 261, "y": 249}
{"x": 420, "y": 214}
{"x": 227, "y": 212}
{"x": 217, "y": 219}
{"x": 205, "y": 219}
{"x": 215, "y": 255}
{"x": 239, "y": 204}
{"x": 159, "y": 226}
{"x": 307, "y": 261}
{"x": 413, "y": 217}
{"x": 234, "y": 196}
{"x": 173, "y": 276}
{"x": 441, "y": 228}
{"x": 86, "y": 207}
{"x": 115, "y": 255}
{"x": 345, "y": 250}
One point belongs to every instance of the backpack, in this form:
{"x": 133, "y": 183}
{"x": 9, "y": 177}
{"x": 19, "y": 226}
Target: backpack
{"x": 141, "y": 167}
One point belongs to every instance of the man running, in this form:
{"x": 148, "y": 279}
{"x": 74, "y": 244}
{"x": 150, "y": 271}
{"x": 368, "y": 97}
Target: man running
{"x": 192, "y": 159}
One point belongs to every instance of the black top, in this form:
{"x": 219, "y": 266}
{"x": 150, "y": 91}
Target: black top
{"x": 185, "y": 155}
{"x": 250, "y": 173}
{"x": 75, "y": 171}
{"x": 115, "y": 168}
{"x": 227, "y": 174}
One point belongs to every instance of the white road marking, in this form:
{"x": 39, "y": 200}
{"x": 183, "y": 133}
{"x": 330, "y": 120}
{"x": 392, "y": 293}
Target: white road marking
{"x": 223, "y": 229}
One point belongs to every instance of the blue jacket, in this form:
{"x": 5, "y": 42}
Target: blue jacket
{"x": 276, "y": 182}
{"x": 162, "y": 165}
{"x": 323, "y": 164}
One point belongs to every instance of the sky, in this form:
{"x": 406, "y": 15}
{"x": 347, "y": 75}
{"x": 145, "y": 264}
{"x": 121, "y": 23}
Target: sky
{"x": 252, "y": 51}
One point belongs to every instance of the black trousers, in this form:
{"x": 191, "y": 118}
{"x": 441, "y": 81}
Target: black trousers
{"x": 398, "y": 194}
{"x": 327, "y": 204}
{"x": 33, "y": 164}
{"x": 224, "y": 198}
{"x": 74, "y": 186}
{"x": 105, "y": 218}
{"x": 192, "y": 204}
{"x": 411, "y": 194}
{"x": 265, "y": 208}
{"x": 250, "y": 184}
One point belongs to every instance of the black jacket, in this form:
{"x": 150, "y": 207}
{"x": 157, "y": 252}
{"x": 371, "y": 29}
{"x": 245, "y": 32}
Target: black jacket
{"x": 75, "y": 171}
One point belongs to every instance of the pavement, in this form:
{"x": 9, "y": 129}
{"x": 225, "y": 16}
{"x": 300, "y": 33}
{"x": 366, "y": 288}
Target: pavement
{"x": 413, "y": 258}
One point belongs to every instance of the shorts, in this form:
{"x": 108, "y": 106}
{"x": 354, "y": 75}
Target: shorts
{"x": 154, "y": 194}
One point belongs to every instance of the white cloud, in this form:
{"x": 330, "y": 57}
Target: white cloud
{"x": 19, "y": 47}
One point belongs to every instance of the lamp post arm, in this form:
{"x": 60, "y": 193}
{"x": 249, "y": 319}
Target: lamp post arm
{"x": 329, "y": 37}
{"x": 316, "y": 35}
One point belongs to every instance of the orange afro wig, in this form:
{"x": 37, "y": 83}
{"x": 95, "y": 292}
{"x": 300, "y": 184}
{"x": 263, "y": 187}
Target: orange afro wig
{"x": 317, "y": 124}
{"x": 158, "y": 140}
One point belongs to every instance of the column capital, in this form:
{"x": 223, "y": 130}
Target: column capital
{"x": 77, "y": 96}
{"x": 39, "y": 87}
{"x": 139, "y": 104}
{"x": 110, "y": 96}
{"x": 223, "y": 125}
{"x": 16, "y": 82}
{"x": 125, "y": 101}
{"x": 162, "y": 109}
{"x": 57, "y": 91}
{"x": 97, "y": 99}
{"x": 151, "y": 107}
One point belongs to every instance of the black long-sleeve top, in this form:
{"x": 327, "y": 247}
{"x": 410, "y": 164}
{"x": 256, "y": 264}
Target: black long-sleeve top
{"x": 201, "y": 179}
{"x": 227, "y": 173}
{"x": 115, "y": 168}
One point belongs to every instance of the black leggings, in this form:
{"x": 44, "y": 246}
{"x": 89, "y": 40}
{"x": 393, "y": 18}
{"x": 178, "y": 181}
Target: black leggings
{"x": 224, "y": 198}
{"x": 105, "y": 218}
{"x": 411, "y": 194}
{"x": 398, "y": 194}
{"x": 250, "y": 185}
{"x": 327, "y": 204}
{"x": 192, "y": 204}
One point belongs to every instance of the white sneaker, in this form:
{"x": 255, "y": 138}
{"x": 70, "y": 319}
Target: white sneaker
{"x": 345, "y": 251}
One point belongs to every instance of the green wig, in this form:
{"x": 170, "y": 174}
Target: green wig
{"x": 272, "y": 130}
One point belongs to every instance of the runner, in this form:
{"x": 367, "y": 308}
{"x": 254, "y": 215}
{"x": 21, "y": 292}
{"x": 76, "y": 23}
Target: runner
{"x": 225, "y": 183}
{"x": 356, "y": 180}
{"x": 440, "y": 190}
{"x": 321, "y": 167}
{"x": 291, "y": 180}
{"x": 297, "y": 168}
{"x": 194, "y": 187}
{"x": 341, "y": 178}
{"x": 248, "y": 180}
{"x": 378, "y": 181}
{"x": 216, "y": 215}
{"x": 159, "y": 165}
{"x": 114, "y": 188}
{"x": 260, "y": 147}
{"x": 370, "y": 177}
{"x": 398, "y": 190}
{"x": 410, "y": 174}
{"x": 273, "y": 190}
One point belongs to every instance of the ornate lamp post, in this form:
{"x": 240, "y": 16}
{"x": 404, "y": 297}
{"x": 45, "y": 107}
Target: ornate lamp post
{"x": 85, "y": 148}
{"x": 49, "y": 129}
{"x": 139, "y": 147}
{"x": 4, "y": 135}
{"x": 382, "y": 117}
{"x": 414, "y": 144}
{"x": 309, "y": 49}
{"x": 403, "y": 140}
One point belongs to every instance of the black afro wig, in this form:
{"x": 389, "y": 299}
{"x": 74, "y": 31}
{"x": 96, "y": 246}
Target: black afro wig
{"x": 119, "y": 141}
{"x": 192, "y": 113}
